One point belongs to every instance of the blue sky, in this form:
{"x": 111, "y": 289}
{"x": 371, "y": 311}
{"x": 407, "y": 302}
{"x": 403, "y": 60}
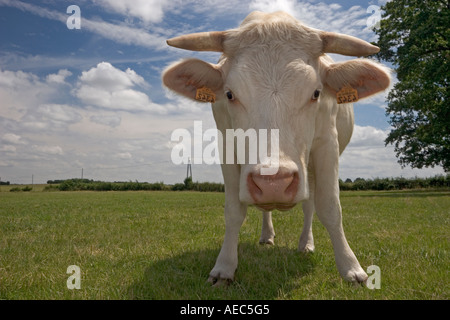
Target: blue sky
{"x": 92, "y": 98}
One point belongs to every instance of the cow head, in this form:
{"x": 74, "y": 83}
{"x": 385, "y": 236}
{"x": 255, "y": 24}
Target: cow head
{"x": 274, "y": 74}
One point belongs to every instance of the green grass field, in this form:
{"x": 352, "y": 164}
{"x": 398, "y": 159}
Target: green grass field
{"x": 162, "y": 245}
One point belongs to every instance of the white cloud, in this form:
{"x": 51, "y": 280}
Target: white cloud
{"x": 323, "y": 16}
{"x": 50, "y": 150}
{"x": 11, "y": 138}
{"x": 59, "y": 114}
{"x": 8, "y": 148}
{"x": 110, "y": 120}
{"x": 106, "y": 77}
{"x": 272, "y": 6}
{"x": 146, "y": 10}
{"x": 124, "y": 155}
{"x": 5, "y": 164}
{"x": 59, "y": 77}
{"x": 33, "y": 124}
{"x": 154, "y": 11}
{"x": 11, "y": 79}
{"x": 130, "y": 145}
{"x": 367, "y": 136}
{"x": 366, "y": 156}
{"x": 108, "y": 87}
{"x": 21, "y": 92}
{"x": 126, "y": 35}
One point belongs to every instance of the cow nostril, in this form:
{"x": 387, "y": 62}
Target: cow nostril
{"x": 292, "y": 187}
{"x": 252, "y": 186}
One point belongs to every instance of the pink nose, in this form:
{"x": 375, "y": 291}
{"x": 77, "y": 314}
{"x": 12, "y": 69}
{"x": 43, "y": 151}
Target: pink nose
{"x": 280, "y": 188}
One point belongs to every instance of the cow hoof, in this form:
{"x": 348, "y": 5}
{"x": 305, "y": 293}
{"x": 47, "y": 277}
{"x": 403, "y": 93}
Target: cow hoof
{"x": 269, "y": 241}
{"x": 219, "y": 283}
{"x": 306, "y": 248}
{"x": 356, "y": 276}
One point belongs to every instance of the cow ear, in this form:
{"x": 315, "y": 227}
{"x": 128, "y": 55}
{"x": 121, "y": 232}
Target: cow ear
{"x": 366, "y": 76}
{"x": 187, "y": 76}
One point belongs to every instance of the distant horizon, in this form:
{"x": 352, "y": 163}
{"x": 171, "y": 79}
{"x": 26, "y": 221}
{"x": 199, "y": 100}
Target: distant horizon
{"x": 2, "y": 182}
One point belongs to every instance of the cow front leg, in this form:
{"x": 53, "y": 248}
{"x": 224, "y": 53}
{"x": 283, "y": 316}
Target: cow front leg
{"x": 346, "y": 261}
{"x": 328, "y": 209}
{"x": 306, "y": 242}
{"x": 267, "y": 232}
{"x": 227, "y": 261}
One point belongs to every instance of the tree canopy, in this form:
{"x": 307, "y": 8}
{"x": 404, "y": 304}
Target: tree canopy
{"x": 414, "y": 37}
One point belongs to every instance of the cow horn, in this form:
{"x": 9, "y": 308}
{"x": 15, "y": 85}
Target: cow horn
{"x": 203, "y": 41}
{"x": 346, "y": 45}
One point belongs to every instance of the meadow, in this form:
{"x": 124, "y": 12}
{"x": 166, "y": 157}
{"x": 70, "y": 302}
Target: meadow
{"x": 162, "y": 245}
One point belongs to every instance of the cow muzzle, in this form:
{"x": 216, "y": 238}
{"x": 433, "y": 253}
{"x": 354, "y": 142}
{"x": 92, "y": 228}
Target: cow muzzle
{"x": 276, "y": 191}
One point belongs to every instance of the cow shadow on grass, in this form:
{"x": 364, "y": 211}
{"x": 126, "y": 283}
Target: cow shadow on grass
{"x": 264, "y": 272}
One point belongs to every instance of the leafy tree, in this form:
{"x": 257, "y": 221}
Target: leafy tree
{"x": 188, "y": 184}
{"x": 414, "y": 37}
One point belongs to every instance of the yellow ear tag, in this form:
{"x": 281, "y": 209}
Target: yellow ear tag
{"x": 347, "y": 95}
{"x": 205, "y": 95}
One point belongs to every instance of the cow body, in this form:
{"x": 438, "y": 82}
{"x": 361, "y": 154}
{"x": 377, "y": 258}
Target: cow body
{"x": 274, "y": 74}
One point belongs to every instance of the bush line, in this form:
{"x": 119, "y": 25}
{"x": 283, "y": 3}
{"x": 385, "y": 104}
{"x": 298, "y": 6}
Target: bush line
{"x": 91, "y": 185}
{"x": 379, "y": 184}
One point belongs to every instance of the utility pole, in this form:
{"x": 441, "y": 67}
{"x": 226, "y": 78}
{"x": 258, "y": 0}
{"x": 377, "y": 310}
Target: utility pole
{"x": 189, "y": 169}
{"x": 81, "y": 173}
{"x": 32, "y": 179}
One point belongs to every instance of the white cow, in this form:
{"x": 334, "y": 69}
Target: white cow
{"x": 274, "y": 74}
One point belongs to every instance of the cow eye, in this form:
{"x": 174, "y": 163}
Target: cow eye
{"x": 229, "y": 95}
{"x": 315, "y": 95}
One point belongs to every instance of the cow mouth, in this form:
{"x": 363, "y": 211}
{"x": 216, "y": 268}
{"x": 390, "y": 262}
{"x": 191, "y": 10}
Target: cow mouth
{"x": 275, "y": 206}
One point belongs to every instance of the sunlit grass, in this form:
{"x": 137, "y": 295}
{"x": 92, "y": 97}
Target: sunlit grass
{"x": 162, "y": 245}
